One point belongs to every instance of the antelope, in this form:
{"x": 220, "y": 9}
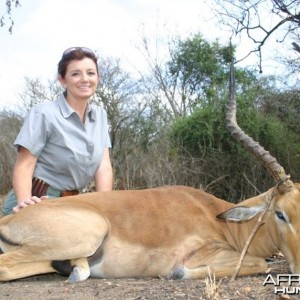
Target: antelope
{"x": 174, "y": 231}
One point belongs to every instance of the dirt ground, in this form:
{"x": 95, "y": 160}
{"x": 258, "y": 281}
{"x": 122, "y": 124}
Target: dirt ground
{"x": 53, "y": 286}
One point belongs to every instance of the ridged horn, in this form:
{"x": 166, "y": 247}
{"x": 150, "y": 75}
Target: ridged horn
{"x": 270, "y": 162}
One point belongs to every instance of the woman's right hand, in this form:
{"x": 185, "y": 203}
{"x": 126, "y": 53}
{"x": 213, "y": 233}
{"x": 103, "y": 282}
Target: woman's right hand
{"x": 27, "y": 202}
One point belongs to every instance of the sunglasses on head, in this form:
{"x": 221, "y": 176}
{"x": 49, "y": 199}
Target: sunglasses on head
{"x": 83, "y": 49}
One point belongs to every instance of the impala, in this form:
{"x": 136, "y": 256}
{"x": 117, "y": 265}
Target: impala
{"x": 178, "y": 232}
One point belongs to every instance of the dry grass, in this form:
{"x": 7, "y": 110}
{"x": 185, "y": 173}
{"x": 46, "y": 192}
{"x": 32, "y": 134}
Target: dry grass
{"x": 2, "y": 197}
{"x": 212, "y": 287}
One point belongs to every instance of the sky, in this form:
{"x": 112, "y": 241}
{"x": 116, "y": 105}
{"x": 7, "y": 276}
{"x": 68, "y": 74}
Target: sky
{"x": 43, "y": 29}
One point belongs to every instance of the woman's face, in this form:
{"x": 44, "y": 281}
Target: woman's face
{"x": 81, "y": 79}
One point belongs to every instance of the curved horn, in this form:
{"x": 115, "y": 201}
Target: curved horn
{"x": 276, "y": 170}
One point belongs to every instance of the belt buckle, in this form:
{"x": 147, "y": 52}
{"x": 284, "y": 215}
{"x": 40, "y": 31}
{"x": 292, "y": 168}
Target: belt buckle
{"x": 69, "y": 193}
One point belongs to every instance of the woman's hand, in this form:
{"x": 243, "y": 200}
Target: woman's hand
{"x": 27, "y": 202}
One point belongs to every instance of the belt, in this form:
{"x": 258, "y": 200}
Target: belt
{"x": 40, "y": 188}
{"x": 69, "y": 193}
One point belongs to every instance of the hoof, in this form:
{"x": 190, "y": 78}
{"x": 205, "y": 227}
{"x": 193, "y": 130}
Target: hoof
{"x": 178, "y": 273}
{"x": 78, "y": 275}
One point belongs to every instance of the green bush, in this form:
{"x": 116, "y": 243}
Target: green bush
{"x": 226, "y": 167}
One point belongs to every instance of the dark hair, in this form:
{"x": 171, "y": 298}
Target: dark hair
{"x": 75, "y": 53}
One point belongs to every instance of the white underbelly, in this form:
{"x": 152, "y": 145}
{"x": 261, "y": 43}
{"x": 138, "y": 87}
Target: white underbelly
{"x": 121, "y": 259}
{"x": 132, "y": 265}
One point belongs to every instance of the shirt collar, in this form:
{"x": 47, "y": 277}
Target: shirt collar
{"x": 90, "y": 112}
{"x": 67, "y": 110}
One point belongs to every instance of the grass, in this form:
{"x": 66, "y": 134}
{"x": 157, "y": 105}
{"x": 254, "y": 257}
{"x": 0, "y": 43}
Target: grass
{"x": 212, "y": 287}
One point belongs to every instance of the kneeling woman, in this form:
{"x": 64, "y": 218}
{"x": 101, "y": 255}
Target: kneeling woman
{"x": 63, "y": 144}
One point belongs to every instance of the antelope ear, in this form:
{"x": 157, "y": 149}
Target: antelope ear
{"x": 240, "y": 213}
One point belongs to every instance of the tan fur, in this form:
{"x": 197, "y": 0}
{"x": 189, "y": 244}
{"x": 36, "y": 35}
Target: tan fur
{"x": 168, "y": 231}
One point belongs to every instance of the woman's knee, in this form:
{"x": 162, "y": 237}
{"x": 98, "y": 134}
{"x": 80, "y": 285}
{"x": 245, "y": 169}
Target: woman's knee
{"x": 9, "y": 203}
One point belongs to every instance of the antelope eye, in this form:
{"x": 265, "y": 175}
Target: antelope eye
{"x": 280, "y": 216}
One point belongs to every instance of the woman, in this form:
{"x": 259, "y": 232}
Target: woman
{"x": 63, "y": 144}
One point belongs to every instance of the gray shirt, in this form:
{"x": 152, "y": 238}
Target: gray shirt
{"x": 68, "y": 152}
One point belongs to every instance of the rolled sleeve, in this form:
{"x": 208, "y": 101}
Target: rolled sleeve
{"x": 33, "y": 134}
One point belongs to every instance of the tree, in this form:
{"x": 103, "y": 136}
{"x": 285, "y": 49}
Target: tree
{"x": 10, "y": 5}
{"x": 223, "y": 167}
{"x": 285, "y": 105}
{"x": 10, "y": 124}
{"x": 167, "y": 127}
{"x": 261, "y": 21}
{"x": 35, "y": 91}
{"x": 134, "y": 125}
{"x": 199, "y": 68}
{"x": 118, "y": 94}
{"x": 194, "y": 74}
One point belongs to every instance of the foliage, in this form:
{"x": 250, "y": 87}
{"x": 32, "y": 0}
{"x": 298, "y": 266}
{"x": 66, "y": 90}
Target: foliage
{"x": 203, "y": 135}
{"x": 167, "y": 127}
{"x": 10, "y": 4}
{"x": 193, "y": 74}
{"x": 35, "y": 91}
{"x": 262, "y": 21}
{"x": 117, "y": 93}
{"x": 10, "y": 124}
{"x": 285, "y": 105}
{"x": 199, "y": 67}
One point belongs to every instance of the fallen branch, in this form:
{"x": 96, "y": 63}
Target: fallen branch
{"x": 256, "y": 227}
